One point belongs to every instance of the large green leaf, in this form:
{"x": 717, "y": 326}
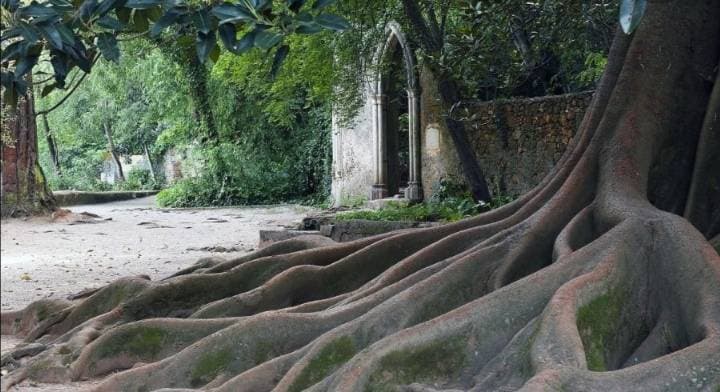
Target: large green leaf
{"x": 267, "y": 39}
{"x": 110, "y": 23}
{"x": 14, "y": 51}
{"x": 51, "y": 34}
{"x": 25, "y": 64}
{"x": 231, "y": 13}
{"x": 201, "y": 20}
{"x": 295, "y": 5}
{"x": 228, "y": 35}
{"x": 332, "y": 22}
{"x": 631, "y": 12}
{"x": 308, "y": 28}
{"x": 29, "y": 32}
{"x": 280, "y": 55}
{"x": 246, "y": 42}
{"x": 142, "y": 4}
{"x": 165, "y": 21}
{"x": 108, "y": 46}
{"x": 39, "y": 12}
{"x": 60, "y": 67}
{"x": 204, "y": 45}
{"x": 66, "y": 35}
{"x": 87, "y": 9}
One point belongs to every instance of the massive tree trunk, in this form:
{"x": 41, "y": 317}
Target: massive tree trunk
{"x": 23, "y": 190}
{"x": 582, "y": 284}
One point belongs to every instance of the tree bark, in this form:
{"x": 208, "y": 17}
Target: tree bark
{"x": 23, "y": 190}
{"x": 582, "y": 284}
{"x": 150, "y": 162}
{"x": 52, "y": 146}
{"x": 111, "y": 148}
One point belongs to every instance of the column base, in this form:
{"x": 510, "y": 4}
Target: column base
{"x": 414, "y": 192}
{"x": 379, "y": 191}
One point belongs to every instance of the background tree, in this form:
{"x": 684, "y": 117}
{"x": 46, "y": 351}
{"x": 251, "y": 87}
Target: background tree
{"x": 23, "y": 189}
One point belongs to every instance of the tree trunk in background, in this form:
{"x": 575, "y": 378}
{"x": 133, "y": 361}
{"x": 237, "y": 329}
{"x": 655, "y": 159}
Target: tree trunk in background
{"x": 52, "y": 146}
{"x": 431, "y": 42}
{"x": 150, "y": 162}
{"x": 185, "y": 56}
{"x": 111, "y": 148}
{"x": 23, "y": 189}
{"x": 470, "y": 165}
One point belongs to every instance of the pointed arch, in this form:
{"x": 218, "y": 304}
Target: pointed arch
{"x": 394, "y": 39}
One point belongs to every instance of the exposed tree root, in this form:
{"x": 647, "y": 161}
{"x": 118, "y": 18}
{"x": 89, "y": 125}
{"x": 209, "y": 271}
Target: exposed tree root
{"x": 590, "y": 282}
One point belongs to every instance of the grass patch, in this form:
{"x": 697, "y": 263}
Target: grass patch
{"x": 448, "y": 210}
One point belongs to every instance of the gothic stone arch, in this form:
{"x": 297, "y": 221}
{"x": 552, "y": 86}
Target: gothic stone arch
{"x": 380, "y": 189}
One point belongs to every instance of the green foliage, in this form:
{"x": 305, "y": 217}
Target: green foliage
{"x": 135, "y": 100}
{"x": 273, "y": 135}
{"x": 72, "y": 33}
{"x": 450, "y": 201}
{"x": 499, "y": 49}
{"x": 450, "y": 210}
{"x": 139, "y": 179}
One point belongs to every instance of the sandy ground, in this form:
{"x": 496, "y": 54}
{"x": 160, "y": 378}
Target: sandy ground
{"x": 41, "y": 259}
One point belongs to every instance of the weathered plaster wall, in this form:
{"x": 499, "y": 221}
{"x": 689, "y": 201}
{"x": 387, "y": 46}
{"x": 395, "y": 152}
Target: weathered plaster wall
{"x": 353, "y": 166}
{"x": 516, "y": 141}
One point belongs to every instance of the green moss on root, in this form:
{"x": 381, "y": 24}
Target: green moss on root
{"x": 142, "y": 341}
{"x": 328, "y": 359}
{"x": 262, "y": 352}
{"x": 435, "y": 362}
{"x": 597, "y": 323}
{"x": 209, "y": 366}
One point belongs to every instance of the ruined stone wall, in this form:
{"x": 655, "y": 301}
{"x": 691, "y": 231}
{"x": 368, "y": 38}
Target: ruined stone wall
{"x": 353, "y": 145}
{"x": 517, "y": 141}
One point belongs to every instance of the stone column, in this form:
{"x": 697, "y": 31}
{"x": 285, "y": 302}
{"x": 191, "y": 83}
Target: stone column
{"x": 414, "y": 190}
{"x": 379, "y": 189}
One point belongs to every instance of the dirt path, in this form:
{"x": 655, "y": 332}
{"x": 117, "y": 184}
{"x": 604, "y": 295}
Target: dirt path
{"x": 40, "y": 259}
{"x": 43, "y": 259}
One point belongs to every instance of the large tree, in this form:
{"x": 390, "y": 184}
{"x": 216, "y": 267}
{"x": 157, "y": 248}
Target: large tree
{"x": 601, "y": 278}
{"x": 23, "y": 189}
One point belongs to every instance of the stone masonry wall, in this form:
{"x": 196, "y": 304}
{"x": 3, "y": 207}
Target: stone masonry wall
{"x": 517, "y": 141}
